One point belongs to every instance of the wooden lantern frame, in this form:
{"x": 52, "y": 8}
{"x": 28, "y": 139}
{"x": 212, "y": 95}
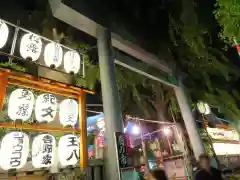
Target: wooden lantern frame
{"x": 8, "y": 77}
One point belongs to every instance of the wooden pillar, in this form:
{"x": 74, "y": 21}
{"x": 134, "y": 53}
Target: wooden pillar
{"x": 83, "y": 130}
{"x": 3, "y": 88}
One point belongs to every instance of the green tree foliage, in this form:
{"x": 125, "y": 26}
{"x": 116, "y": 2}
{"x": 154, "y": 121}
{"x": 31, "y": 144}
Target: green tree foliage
{"x": 208, "y": 71}
{"x": 143, "y": 97}
{"x": 228, "y": 15}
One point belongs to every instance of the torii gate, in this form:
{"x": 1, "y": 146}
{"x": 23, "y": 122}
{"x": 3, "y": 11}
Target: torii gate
{"x": 111, "y": 104}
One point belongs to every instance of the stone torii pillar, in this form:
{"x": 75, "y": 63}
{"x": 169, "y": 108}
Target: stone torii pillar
{"x": 111, "y": 103}
{"x": 189, "y": 121}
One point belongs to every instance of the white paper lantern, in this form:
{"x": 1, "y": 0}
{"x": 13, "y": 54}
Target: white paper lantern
{"x": 68, "y": 150}
{"x": 72, "y": 62}
{"x": 68, "y": 112}
{"x": 203, "y": 108}
{"x": 31, "y": 46}
{"x": 43, "y": 151}
{"x": 4, "y": 32}
{"x": 46, "y": 108}
{"x": 20, "y": 105}
{"x": 53, "y": 55}
{"x": 208, "y": 109}
{"x": 14, "y": 150}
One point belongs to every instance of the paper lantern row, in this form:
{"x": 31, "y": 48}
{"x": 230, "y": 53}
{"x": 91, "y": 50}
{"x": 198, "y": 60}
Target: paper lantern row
{"x": 31, "y": 47}
{"x": 21, "y": 104}
{"x": 15, "y": 150}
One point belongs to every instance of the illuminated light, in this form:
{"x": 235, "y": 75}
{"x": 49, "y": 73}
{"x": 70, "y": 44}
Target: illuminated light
{"x": 135, "y": 130}
{"x": 53, "y": 55}
{"x": 72, "y": 62}
{"x": 207, "y": 109}
{"x": 166, "y": 131}
{"x": 20, "y": 104}
{"x": 4, "y": 32}
{"x": 31, "y": 46}
{"x": 68, "y": 112}
{"x": 203, "y": 108}
{"x": 14, "y": 150}
{"x": 43, "y": 151}
{"x": 46, "y": 108}
{"x": 68, "y": 150}
{"x": 223, "y": 134}
{"x": 226, "y": 148}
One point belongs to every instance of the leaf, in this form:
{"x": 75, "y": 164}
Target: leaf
{"x": 13, "y": 66}
{"x": 236, "y": 94}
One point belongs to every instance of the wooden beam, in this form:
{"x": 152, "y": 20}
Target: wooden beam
{"x": 145, "y": 70}
{"x": 39, "y": 128}
{"x": 43, "y": 83}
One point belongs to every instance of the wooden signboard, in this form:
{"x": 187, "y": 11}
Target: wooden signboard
{"x": 123, "y": 150}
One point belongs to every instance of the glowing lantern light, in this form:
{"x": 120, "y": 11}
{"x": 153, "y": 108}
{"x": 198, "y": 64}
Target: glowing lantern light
{"x": 72, "y": 62}
{"x": 135, "y": 130}
{"x": 68, "y": 112}
{"x": 4, "y": 32}
{"x": 203, "y": 108}
{"x": 53, "y": 55}
{"x": 46, "y": 108}
{"x": 68, "y": 150}
{"x": 31, "y": 46}
{"x": 166, "y": 131}
{"x": 20, "y": 105}
{"x": 43, "y": 151}
{"x": 208, "y": 109}
{"x": 14, "y": 150}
